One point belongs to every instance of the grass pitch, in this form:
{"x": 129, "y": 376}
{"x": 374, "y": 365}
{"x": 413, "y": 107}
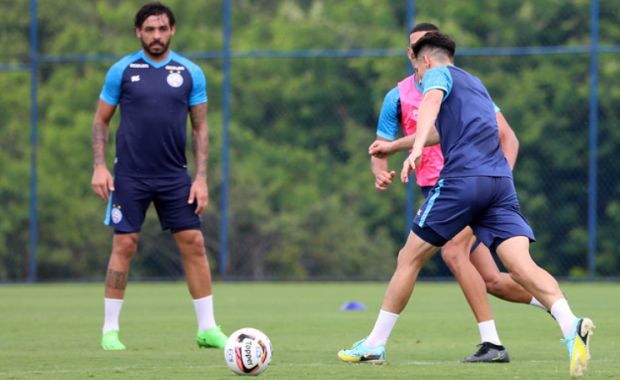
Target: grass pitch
{"x": 53, "y": 332}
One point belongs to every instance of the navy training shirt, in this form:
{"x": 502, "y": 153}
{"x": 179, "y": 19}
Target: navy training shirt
{"x": 154, "y": 99}
{"x": 466, "y": 124}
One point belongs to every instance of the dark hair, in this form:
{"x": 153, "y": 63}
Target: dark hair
{"x": 424, "y": 27}
{"x": 435, "y": 40}
{"x": 154, "y": 8}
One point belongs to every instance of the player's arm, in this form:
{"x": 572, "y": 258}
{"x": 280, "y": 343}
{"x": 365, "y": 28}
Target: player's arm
{"x": 426, "y": 133}
{"x": 102, "y": 181}
{"x": 507, "y": 140}
{"x": 200, "y": 147}
{"x": 381, "y": 147}
{"x": 379, "y": 167}
{"x": 387, "y": 130}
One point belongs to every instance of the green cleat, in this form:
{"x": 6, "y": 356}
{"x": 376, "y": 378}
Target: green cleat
{"x": 110, "y": 341}
{"x": 213, "y": 337}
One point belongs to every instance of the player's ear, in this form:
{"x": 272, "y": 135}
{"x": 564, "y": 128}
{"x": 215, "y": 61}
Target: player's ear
{"x": 138, "y": 32}
{"x": 173, "y": 29}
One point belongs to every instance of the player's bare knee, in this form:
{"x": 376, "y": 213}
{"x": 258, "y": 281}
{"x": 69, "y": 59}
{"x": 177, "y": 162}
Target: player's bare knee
{"x": 451, "y": 257}
{"x": 493, "y": 284}
{"x": 125, "y": 245}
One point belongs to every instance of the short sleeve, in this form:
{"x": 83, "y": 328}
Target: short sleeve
{"x": 198, "y": 93}
{"x": 111, "y": 91}
{"x": 389, "y": 118}
{"x": 438, "y": 77}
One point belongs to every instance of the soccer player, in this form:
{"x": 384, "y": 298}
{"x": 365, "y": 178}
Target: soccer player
{"x": 156, "y": 88}
{"x": 475, "y": 189}
{"x": 400, "y": 107}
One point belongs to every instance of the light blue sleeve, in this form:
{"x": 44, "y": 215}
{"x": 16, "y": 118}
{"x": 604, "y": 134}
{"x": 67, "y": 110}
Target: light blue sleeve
{"x": 199, "y": 86}
{"x": 389, "y": 119}
{"x": 111, "y": 91}
{"x": 198, "y": 94}
{"x": 438, "y": 77}
{"x": 496, "y": 108}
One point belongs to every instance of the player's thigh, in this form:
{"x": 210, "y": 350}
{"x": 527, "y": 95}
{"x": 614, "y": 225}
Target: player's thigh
{"x": 416, "y": 249}
{"x": 459, "y": 245}
{"x": 174, "y": 212}
{"x": 128, "y": 204}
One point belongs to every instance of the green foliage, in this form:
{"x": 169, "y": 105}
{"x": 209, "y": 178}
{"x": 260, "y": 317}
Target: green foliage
{"x": 301, "y": 202}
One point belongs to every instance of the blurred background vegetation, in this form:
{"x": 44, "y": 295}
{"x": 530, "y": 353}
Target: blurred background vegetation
{"x": 302, "y": 203}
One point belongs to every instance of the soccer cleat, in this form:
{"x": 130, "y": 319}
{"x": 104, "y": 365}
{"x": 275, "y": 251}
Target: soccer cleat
{"x": 110, "y": 341}
{"x": 578, "y": 344}
{"x": 361, "y": 353}
{"x": 214, "y": 337}
{"x": 489, "y": 353}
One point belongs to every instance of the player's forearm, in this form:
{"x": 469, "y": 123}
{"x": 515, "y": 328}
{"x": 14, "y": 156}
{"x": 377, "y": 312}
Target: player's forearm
{"x": 200, "y": 147}
{"x": 403, "y": 143}
{"x": 99, "y": 141}
{"x": 200, "y": 138}
{"x": 378, "y": 165}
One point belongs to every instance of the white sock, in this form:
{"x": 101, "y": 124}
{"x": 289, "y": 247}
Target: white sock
{"x": 111, "y": 311}
{"x": 563, "y": 315}
{"x": 204, "y": 313}
{"x": 488, "y": 332}
{"x": 383, "y": 327}
{"x": 535, "y": 302}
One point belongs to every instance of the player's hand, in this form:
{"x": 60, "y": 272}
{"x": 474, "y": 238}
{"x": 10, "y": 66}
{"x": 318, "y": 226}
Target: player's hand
{"x": 410, "y": 164}
{"x": 380, "y": 148}
{"x": 199, "y": 193}
{"x": 383, "y": 179}
{"x": 102, "y": 182}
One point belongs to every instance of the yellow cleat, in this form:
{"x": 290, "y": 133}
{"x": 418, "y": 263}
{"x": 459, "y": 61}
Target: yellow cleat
{"x": 578, "y": 345}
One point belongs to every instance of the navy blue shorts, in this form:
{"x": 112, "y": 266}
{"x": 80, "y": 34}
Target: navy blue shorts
{"x": 489, "y": 205}
{"x": 132, "y": 196}
{"x": 425, "y": 190}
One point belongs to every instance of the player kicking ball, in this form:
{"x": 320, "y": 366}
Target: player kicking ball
{"x": 475, "y": 189}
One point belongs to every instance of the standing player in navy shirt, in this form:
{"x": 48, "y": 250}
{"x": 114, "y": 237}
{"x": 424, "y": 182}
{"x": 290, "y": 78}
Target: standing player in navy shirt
{"x": 475, "y": 189}
{"x": 156, "y": 89}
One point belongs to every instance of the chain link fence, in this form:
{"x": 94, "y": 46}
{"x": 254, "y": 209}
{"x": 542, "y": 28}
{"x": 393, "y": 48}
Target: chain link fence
{"x": 307, "y": 80}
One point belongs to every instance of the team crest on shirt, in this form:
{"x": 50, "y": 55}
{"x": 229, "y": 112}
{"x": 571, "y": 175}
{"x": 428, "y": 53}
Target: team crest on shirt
{"x": 175, "y": 79}
{"x": 117, "y": 214}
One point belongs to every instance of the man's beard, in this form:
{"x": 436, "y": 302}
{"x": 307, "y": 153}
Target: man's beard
{"x": 156, "y": 53}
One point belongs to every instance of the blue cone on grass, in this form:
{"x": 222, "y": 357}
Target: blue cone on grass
{"x": 353, "y": 306}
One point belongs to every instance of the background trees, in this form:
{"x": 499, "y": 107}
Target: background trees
{"x": 302, "y": 203}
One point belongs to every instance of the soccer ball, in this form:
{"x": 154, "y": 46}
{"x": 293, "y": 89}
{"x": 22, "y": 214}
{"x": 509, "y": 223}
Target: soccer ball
{"x": 247, "y": 351}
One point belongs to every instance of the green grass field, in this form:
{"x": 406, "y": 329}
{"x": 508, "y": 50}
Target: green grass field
{"x": 53, "y": 331}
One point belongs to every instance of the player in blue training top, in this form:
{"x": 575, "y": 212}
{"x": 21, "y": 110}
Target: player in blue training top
{"x": 475, "y": 189}
{"x": 156, "y": 89}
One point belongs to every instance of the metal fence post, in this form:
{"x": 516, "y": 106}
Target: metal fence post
{"x": 223, "y": 262}
{"x": 411, "y": 184}
{"x": 593, "y": 137}
{"x": 34, "y": 140}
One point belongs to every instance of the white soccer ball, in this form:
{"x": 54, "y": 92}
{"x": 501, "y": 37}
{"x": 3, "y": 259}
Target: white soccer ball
{"x": 247, "y": 351}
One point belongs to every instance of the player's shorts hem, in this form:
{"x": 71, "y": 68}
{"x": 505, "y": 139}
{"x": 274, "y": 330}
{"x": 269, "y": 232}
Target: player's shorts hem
{"x": 185, "y": 228}
{"x": 428, "y": 235}
{"x": 497, "y": 242}
{"x": 119, "y": 232}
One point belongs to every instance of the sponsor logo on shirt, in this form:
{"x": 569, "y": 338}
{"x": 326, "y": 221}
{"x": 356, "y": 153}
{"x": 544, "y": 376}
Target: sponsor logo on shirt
{"x": 139, "y": 65}
{"x": 175, "y": 68}
{"x": 135, "y": 78}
